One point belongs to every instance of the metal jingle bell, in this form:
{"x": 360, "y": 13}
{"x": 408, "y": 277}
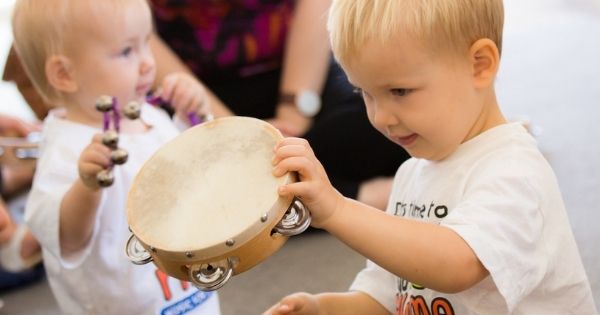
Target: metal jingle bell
{"x": 105, "y": 178}
{"x": 110, "y": 139}
{"x": 132, "y": 110}
{"x": 119, "y": 156}
{"x": 104, "y": 103}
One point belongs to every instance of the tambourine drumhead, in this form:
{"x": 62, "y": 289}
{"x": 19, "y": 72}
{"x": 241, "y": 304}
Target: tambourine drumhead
{"x": 211, "y": 185}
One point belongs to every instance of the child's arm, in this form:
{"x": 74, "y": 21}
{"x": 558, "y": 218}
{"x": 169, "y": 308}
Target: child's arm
{"x": 429, "y": 255}
{"x": 327, "y": 304}
{"x": 79, "y": 205}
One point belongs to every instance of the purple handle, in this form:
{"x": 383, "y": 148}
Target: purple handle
{"x": 193, "y": 118}
{"x": 116, "y": 117}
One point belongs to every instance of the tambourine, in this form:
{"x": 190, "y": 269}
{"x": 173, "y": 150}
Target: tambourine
{"x": 205, "y": 206}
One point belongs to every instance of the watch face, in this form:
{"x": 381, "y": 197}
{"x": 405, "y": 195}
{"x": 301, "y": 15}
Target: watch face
{"x": 309, "y": 103}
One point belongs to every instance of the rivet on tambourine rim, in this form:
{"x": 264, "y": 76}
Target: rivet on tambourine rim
{"x": 189, "y": 255}
{"x": 230, "y": 242}
{"x": 264, "y": 218}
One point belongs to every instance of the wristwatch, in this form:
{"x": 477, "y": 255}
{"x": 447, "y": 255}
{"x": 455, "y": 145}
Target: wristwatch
{"x": 307, "y": 102}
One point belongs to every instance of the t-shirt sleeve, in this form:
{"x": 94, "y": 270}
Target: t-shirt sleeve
{"x": 501, "y": 220}
{"x": 378, "y": 284}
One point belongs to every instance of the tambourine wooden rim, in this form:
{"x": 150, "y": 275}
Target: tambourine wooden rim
{"x": 169, "y": 253}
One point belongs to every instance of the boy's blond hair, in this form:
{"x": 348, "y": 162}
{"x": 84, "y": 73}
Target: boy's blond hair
{"x": 440, "y": 25}
{"x": 43, "y": 28}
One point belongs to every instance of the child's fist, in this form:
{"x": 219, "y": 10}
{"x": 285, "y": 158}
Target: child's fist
{"x": 93, "y": 159}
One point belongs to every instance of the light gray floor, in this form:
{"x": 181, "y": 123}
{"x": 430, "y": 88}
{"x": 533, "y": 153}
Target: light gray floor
{"x": 550, "y": 74}
{"x": 312, "y": 262}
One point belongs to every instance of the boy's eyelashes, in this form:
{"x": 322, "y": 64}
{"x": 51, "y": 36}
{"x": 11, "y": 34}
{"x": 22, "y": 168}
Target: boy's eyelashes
{"x": 400, "y": 92}
{"x": 126, "y": 51}
{"x": 395, "y": 91}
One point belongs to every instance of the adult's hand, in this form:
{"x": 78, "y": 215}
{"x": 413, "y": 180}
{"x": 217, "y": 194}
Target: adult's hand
{"x": 12, "y": 126}
{"x": 290, "y": 122}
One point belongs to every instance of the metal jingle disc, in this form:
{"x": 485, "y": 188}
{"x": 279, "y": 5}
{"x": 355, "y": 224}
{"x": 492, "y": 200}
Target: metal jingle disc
{"x": 104, "y": 103}
{"x": 136, "y": 252}
{"x": 210, "y": 277}
{"x": 110, "y": 139}
{"x": 119, "y": 156}
{"x": 295, "y": 221}
{"x": 132, "y": 110}
{"x": 105, "y": 178}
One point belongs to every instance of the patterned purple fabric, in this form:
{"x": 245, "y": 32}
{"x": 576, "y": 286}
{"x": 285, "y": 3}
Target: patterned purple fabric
{"x": 224, "y": 39}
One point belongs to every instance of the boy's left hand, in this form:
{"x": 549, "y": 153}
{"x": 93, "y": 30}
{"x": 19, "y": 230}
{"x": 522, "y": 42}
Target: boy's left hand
{"x": 186, "y": 94}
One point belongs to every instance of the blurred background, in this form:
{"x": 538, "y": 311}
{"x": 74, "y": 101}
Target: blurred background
{"x": 550, "y": 77}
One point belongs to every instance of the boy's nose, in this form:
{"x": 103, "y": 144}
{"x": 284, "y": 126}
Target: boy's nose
{"x": 382, "y": 117}
{"x": 147, "y": 64}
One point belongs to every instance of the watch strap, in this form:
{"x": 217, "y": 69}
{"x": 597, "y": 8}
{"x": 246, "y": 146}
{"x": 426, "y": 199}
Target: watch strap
{"x": 287, "y": 98}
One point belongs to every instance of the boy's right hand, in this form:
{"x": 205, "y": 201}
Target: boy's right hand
{"x": 295, "y": 304}
{"x": 313, "y": 188}
{"x": 94, "y": 158}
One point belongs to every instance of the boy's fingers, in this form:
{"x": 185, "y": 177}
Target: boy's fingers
{"x": 290, "y": 151}
{"x": 300, "y": 164}
{"x": 280, "y": 309}
{"x": 294, "y": 140}
{"x": 298, "y": 189}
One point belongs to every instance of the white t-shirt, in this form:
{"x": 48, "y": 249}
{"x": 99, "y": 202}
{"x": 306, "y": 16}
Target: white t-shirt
{"x": 100, "y": 279}
{"x": 500, "y": 195}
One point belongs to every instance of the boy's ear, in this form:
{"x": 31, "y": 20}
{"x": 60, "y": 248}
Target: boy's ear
{"x": 60, "y": 75}
{"x": 485, "y": 59}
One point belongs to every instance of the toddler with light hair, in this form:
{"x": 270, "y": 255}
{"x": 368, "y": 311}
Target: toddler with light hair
{"x": 475, "y": 223}
{"x": 74, "y": 51}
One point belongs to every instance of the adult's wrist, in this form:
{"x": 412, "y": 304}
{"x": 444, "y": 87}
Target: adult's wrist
{"x": 307, "y": 102}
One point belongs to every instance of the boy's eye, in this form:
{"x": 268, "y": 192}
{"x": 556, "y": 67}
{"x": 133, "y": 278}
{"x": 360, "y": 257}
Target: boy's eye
{"x": 400, "y": 92}
{"x": 357, "y": 90}
{"x": 126, "y": 52}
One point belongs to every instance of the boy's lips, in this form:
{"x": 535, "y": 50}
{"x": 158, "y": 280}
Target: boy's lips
{"x": 406, "y": 140}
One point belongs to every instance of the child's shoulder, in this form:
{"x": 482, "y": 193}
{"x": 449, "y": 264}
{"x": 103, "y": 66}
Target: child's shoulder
{"x": 57, "y": 131}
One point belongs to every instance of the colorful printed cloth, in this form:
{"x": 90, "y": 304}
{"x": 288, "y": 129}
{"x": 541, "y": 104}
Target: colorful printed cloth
{"x": 225, "y": 39}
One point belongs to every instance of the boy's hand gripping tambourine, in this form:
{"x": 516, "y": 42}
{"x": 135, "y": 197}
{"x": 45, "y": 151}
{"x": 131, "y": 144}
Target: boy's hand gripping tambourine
{"x": 205, "y": 206}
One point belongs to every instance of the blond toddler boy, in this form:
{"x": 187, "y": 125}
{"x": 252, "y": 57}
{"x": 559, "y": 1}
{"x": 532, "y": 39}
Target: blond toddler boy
{"x": 475, "y": 223}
